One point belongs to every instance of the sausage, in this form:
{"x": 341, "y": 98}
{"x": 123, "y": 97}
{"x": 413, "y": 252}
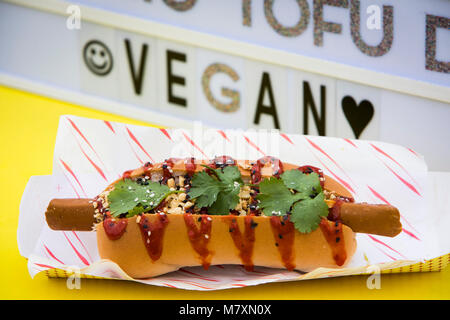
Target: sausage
{"x": 380, "y": 219}
{"x": 70, "y": 214}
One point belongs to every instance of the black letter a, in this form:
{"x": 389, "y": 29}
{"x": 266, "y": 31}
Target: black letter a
{"x": 260, "y": 108}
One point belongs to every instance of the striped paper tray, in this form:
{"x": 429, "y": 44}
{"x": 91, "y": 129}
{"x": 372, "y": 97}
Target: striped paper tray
{"x": 90, "y": 154}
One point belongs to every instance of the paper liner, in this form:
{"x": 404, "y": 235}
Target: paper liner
{"x": 90, "y": 154}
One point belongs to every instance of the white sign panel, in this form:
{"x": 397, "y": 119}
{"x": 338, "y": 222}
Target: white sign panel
{"x": 404, "y": 37}
{"x": 169, "y": 75}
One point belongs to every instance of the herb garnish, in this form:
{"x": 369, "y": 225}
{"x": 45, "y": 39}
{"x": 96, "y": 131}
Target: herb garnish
{"x": 219, "y": 191}
{"x": 294, "y": 193}
{"x": 132, "y": 198}
{"x": 306, "y": 201}
{"x": 275, "y": 198}
{"x": 306, "y": 214}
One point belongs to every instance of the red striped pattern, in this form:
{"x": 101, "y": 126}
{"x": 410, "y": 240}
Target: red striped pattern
{"x": 385, "y": 244}
{"x": 379, "y": 196}
{"x": 413, "y": 152}
{"x": 97, "y": 168}
{"x": 133, "y": 137}
{"x": 79, "y": 255}
{"x": 82, "y": 245}
{"x": 251, "y": 143}
{"x": 286, "y": 138}
{"x": 192, "y": 143}
{"x": 315, "y": 146}
{"x": 108, "y": 124}
{"x": 44, "y": 266}
{"x": 84, "y": 138}
{"x": 192, "y": 283}
{"x": 164, "y": 131}
{"x": 386, "y": 254}
{"x": 67, "y": 167}
{"x": 52, "y": 255}
{"x": 345, "y": 183}
{"x": 134, "y": 152}
{"x": 391, "y": 158}
{"x": 406, "y": 183}
{"x": 223, "y": 135}
{"x": 197, "y": 275}
{"x": 71, "y": 184}
{"x": 351, "y": 142}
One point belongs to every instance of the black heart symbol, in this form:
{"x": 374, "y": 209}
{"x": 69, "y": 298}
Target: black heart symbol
{"x": 358, "y": 116}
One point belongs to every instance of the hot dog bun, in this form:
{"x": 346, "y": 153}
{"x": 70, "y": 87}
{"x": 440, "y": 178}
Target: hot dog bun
{"x": 310, "y": 251}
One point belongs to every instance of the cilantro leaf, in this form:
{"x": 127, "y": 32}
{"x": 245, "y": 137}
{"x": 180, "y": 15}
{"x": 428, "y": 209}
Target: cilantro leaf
{"x": 220, "y": 193}
{"x": 306, "y": 214}
{"x": 133, "y": 198}
{"x": 204, "y": 188}
{"x": 275, "y": 198}
{"x": 225, "y": 202}
{"x": 307, "y": 205}
{"x": 229, "y": 174}
{"x": 305, "y": 184}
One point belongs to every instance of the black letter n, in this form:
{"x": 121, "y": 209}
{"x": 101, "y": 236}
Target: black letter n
{"x": 308, "y": 101}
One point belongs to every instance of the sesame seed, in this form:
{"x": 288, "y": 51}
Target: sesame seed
{"x": 206, "y": 236}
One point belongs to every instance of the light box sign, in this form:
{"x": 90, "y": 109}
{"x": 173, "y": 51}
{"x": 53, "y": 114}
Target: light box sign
{"x": 358, "y": 48}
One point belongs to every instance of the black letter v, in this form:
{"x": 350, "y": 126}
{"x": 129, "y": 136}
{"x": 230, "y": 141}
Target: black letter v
{"x": 137, "y": 78}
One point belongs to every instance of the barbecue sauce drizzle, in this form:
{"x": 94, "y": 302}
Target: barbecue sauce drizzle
{"x": 114, "y": 228}
{"x": 153, "y": 233}
{"x": 167, "y": 169}
{"x": 335, "y": 238}
{"x": 243, "y": 242}
{"x": 199, "y": 236}
{"x": 283, "y": 229}
{"x": 284, "y": 234}
{"x": 256, "y": 175}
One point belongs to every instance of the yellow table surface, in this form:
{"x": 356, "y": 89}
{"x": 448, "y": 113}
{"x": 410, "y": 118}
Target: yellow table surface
{"x": 27, "y": 150}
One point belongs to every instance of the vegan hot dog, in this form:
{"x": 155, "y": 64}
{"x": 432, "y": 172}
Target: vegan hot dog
{"x": 187, "y": 212}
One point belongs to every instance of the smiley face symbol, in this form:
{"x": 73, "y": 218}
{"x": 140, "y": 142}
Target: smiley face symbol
{"x": 97, "y": 57}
